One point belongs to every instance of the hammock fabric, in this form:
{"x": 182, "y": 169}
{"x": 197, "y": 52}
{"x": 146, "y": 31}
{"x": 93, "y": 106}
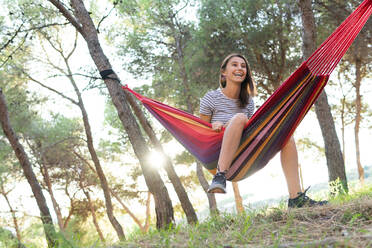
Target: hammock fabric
{"x": 275, "y": 121}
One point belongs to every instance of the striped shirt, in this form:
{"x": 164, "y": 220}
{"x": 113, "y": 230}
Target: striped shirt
{"x": 222, "y": 108}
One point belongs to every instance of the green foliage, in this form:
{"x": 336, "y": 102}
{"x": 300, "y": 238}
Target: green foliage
{"x": 8, "y": 240}
{"x": 54, "y": 145}
{"x": 8, "y": 162}
{"x": 156, "y": 39}
{"x": 330, "y": 14}
{"x": 356, "y": 193}
{"x": 19, "y": 20}
{"x": 184, "y": 158}
{"x": 306, "y": 144}
{"x": 264, "y": 31}
{"x": 337, "y": 187}
{"x": 20, "y": 103}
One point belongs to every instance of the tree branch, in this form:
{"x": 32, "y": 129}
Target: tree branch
{"x": 66, "y": 13}
{"x": 104, "y": 17}
{"x": 15, "y": 50}
{"x": 49, "y": 88}
{"x": 12, "y": 38}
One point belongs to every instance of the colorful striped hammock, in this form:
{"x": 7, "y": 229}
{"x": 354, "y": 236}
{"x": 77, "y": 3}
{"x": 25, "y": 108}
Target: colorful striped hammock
{"x": 275, "y": 121}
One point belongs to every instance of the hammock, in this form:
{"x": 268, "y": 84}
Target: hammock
{"x": 275, "y": 121}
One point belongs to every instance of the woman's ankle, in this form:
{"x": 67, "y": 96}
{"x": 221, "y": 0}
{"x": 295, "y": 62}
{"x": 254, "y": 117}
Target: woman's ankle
{"x": 221, "y": 170}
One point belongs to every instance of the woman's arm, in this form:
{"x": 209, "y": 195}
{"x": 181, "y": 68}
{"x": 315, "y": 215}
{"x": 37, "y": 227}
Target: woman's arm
{"x": 206, "y": 118}
{"x": 216, "y": 126}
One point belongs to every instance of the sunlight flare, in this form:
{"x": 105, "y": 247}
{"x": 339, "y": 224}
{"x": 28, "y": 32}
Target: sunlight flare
{"x": 156, "y": 159}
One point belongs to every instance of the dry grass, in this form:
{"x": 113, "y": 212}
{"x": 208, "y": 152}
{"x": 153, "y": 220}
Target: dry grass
{"x": 345, "y": 222}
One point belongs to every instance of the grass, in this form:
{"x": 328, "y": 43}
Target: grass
{"x": 345, "y": 222}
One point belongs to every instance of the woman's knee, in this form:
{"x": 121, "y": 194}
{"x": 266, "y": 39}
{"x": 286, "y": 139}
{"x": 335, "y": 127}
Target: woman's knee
{"x": 289, "y": 147}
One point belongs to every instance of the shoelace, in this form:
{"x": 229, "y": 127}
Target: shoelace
{"x": 303, "y": 194}
{"x": 220, "y": 175}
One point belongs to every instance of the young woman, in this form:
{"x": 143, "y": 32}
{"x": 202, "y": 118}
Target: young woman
{"x": 230, "y": 106}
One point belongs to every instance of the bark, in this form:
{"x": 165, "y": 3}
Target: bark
{"x": 72, "y": 208}
{"x": 181, "y": 64}
{"x": 12, "y": 211}
{"x": 56, "y": 207}
{"x": 335, "y": 162}
{"x": 358, "y": 106}
{"x": 238, "y": 198}
{"x": 343, "y": 126}
{"x": 81, "y": 18}
{"x": 168, "y": 166}
{"x": 204, "y": 183}
{"x": 93, "y": 212}
{"x": 45, "y": 173}
{"x": 28, "y": 172}
{"x": 101, "y": 175}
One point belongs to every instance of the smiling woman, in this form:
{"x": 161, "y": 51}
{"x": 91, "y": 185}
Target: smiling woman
{"x": 233, "y": 104}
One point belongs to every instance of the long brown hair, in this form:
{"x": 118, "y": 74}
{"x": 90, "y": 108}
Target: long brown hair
{"x": 245, "y": 91}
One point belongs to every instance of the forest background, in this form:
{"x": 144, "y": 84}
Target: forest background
{"x": 90, "y": 171}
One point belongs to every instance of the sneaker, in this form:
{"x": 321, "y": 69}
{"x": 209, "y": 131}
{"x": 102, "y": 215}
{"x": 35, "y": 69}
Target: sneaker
{"x": 218, "y": 184}
{"x": 302, "y": 200}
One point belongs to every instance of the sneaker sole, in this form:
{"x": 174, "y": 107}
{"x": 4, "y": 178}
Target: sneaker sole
{"x": 217, "y": 190}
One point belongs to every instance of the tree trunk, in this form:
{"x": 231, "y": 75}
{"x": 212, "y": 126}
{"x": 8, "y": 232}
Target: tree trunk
{"x": 28, "y": 172}
{"x": 131, "y": 214}
{"x": 335, "y": 162}
{"x": 84, "y": 24}
{"x": 185, "y": 80}
{"x": 94, "y": 217}
{"x": 56, "y": 207}
{"x": 168, "y": 166}
{"x": 15, "y": 221}
{"x": 181, "y": 64}
{"x": 358, "y": 106}
{"x": 343, "y": 127}
{"x": 71, "y": 209}
{"x": 238, "y": 198}
{"x": 148, "y": 213}
{"x": 211, "y": 197}
{"x": 101, "y": 175}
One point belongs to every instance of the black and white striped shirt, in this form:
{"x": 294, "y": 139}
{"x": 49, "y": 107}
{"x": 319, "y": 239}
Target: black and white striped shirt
{"x": 222, "y": 108}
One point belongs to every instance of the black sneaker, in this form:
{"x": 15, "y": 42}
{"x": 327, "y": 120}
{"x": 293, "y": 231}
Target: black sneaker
{"x": 304, "y": 201}
{"x": 218, "y": 184}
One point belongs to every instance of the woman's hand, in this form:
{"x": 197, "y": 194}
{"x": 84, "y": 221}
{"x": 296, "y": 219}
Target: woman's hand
{"x": 217, "y": 126}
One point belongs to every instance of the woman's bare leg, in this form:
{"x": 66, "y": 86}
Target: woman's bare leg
{"x": 289, "y": 160}
{"x": 231, "y": 140}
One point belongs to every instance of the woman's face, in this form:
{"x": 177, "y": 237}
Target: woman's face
{"x": 235, "y": 71}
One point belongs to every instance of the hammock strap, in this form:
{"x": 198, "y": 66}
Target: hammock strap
{"x": 105, "y": 75}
